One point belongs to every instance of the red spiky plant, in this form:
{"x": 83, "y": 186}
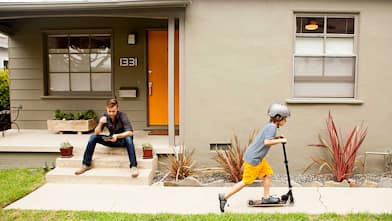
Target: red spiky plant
{"x": 342, "y": 156}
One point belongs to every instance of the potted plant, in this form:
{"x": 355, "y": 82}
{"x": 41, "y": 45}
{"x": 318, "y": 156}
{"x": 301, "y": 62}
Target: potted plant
{"x": 147, "y": 150}
{"x": 66, "y": 149}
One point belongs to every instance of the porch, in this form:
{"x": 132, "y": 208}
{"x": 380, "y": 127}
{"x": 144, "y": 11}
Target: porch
{"x": 94, "y": 51}
{"x": 40, "y": 148}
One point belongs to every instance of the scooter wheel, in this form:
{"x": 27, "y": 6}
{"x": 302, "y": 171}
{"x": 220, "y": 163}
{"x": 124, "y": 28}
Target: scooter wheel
{"x": 284, "y": 197}
{"x": 251, "y": 203}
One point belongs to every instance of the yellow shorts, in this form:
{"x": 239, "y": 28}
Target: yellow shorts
{"x": 251, "y": 172}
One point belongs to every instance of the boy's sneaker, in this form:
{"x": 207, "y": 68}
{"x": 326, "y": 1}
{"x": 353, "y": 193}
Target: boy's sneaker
{"x": 270, "y": 200}
{"x": 222, "y": 202}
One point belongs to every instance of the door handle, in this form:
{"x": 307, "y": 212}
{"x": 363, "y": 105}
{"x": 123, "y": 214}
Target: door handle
{"x": 150, "y": 88}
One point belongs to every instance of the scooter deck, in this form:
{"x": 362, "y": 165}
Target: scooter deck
{"x": 258, "y": 203}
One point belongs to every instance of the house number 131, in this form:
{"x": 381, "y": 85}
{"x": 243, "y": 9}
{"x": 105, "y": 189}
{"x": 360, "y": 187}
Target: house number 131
{"x": 128, "y": 62}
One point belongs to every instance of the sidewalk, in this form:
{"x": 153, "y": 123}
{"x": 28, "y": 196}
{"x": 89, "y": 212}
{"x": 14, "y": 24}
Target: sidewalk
{"x": 200, "y": 200}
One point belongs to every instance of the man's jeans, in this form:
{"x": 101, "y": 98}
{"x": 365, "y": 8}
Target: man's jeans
{"x": 122, "y": 142}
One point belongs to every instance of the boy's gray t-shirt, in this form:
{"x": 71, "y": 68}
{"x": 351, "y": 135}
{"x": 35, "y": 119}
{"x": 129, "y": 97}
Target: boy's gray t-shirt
{"x": 257, "y": 150}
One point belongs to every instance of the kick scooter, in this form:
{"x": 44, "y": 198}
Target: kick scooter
{"x": 285, "y": 197}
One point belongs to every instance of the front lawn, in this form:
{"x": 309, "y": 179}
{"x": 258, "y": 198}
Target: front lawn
{"x": 16, "y": 183}
{"x": 8, "y": 215}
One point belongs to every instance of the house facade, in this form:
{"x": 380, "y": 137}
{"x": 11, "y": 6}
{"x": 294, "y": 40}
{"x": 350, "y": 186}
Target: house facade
{"x": 208, "y": 67}
{"x": 3, "y": 51}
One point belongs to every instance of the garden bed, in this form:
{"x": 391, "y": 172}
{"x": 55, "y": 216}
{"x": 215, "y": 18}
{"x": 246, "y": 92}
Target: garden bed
{"x": 218, "y": 178}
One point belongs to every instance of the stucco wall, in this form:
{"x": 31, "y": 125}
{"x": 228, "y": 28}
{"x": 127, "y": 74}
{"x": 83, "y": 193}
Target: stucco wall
{"x": 27, "y": 71}
{"x": 239, "y": 60}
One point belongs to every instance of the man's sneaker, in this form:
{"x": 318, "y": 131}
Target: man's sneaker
{"x": 222, "y": 202}
{"x": 270, "y": 200}
{"x": 82, "y": 170}
{"x": 134, "y": 172}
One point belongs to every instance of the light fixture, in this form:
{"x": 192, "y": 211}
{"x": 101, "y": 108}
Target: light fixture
{"x": 311, "y": 26}
{"x": 131, "y": 39}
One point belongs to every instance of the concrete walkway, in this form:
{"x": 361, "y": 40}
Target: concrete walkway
{"x": 200, "y": 200}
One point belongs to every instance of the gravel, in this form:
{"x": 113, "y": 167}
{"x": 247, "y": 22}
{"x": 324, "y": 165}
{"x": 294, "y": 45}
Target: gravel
{"x": 277, "y": 180}
{"x": 356, "y": 178}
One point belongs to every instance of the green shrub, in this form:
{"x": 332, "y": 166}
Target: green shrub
{"x": 90, "y": 114}
{"x": 69, "y": 116}
{"x": 79, "y": 115}
{"x": 58, "y": 115}
{"x": 86, "y": 115}
{"x": 4, "y": 88}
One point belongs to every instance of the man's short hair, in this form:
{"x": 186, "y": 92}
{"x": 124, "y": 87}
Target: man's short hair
{"x": 111, "y": 103}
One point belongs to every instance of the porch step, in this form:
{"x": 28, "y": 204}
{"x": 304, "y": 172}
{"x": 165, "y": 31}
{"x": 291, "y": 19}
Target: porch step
{"x": 104, "y": 150}
{"x": 107, "y": 161}
{"x": 100, "y": 176}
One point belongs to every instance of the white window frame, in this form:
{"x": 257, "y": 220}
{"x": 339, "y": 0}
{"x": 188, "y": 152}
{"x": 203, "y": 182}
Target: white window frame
{"x": 324, "y": 36}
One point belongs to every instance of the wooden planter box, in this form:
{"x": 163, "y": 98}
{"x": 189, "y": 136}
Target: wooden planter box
{"x": 71, "y": 125}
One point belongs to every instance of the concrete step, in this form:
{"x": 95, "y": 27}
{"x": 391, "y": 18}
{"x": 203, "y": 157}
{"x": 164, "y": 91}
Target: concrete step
{"x": 101, "y": 149}
{"x": 104, "y": 150}
{"x": 100, "y": 176}
{"x": 107, "y": 161}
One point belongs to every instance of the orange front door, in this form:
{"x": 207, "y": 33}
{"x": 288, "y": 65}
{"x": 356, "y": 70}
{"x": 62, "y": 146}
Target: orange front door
{"x": 157, "y": 49}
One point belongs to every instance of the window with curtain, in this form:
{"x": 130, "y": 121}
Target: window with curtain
{"x": 325, "y": 56}
{"x": 79, "y": 64}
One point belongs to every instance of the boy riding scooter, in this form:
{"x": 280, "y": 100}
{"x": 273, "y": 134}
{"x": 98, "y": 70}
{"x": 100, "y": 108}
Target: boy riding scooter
{"x": 255, "y": 164}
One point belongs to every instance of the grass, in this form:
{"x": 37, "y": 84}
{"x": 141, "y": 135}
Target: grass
{"x": 16, "y": 183}
{"x": 16, "y": 215}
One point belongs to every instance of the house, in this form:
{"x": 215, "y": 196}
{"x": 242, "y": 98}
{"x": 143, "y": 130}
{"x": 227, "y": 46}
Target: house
{"x": 3, "y": 51}
{"x": 208, "y": 67}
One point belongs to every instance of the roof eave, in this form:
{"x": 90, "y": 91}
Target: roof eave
{"x": 32, "y": 6}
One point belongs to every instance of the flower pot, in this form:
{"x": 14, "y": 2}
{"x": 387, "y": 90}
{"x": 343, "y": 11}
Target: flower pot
{"x": 66, "y": 151}
{"x": 147, "y": 153}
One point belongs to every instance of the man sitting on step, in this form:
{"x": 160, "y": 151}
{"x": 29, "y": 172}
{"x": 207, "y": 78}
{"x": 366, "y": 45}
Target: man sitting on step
{"x": 121, "y": 135}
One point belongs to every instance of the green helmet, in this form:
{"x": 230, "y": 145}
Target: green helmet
{"x": 278, "y": 109}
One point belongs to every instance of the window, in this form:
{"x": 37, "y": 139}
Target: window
{"x": 325, "y": 56}
{"x": 79, "y": 64}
